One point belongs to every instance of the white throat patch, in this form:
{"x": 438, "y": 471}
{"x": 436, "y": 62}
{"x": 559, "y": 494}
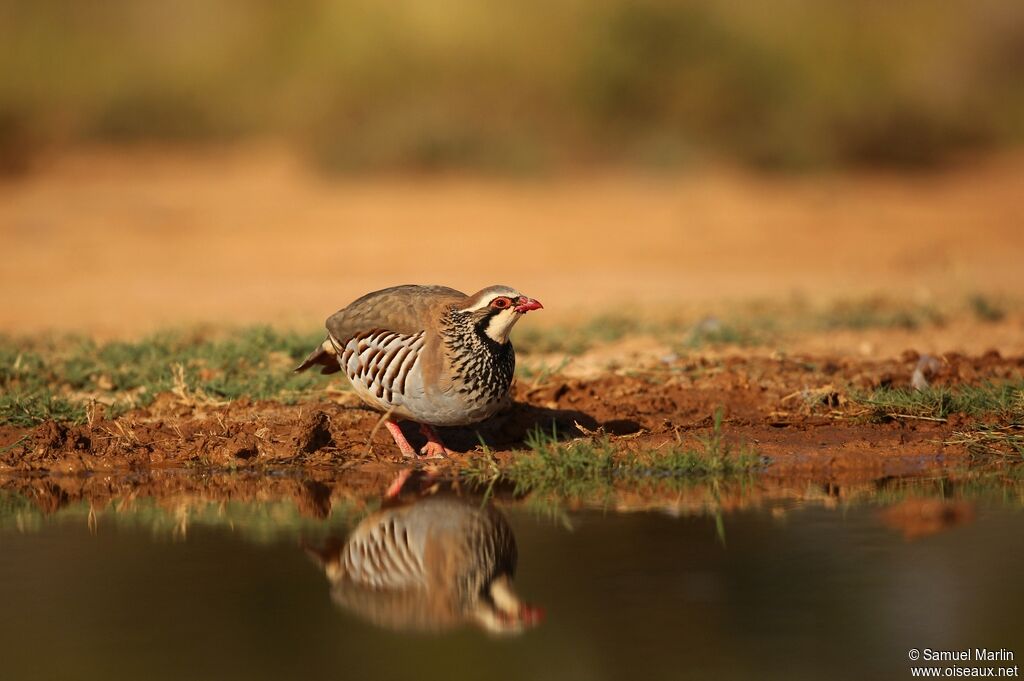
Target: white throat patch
{"x": 500, "y": 325}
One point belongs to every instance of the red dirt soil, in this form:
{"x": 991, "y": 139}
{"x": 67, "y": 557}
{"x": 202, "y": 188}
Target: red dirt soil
{"x": 792, "y": 410}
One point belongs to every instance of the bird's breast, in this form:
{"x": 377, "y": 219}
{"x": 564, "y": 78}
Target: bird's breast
{"x": 465, "y": 384}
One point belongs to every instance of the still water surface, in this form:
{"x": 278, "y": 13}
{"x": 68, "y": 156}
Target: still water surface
{"x": 788, "y": 590}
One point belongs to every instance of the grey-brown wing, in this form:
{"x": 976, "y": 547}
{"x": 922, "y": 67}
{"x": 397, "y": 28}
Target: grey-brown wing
{"x": 400, "y": 309}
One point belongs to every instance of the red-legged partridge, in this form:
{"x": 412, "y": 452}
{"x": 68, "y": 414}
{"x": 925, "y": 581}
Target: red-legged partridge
{"x": 431, "y": 565}
{"x": 429, "y": 354}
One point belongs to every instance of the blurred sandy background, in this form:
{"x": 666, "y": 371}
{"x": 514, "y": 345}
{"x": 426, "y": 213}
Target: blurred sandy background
{"x": 233, "y": 162}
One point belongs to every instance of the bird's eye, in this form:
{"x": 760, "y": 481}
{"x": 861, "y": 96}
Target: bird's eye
{"x": 501, "y": 303}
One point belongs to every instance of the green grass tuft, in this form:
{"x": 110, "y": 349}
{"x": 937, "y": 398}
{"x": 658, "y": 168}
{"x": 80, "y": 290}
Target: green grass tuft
{"x": 998, "y": 406}
{"x": 58, "y": 378}
{"x": 1003, "y": 401}
{"x": 587, "y": 467}
{"x": 986, "y": 309}
{"x": 874, "y": 314}
{"x": 712, "y": 332}
{"x": 575, "y": 339}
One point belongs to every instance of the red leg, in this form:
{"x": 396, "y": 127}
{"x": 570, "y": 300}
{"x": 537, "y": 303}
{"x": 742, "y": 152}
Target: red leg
{"x": 403, "y": 444}
{"x": 396, "y": 485}
{"x": 434, "y": 449}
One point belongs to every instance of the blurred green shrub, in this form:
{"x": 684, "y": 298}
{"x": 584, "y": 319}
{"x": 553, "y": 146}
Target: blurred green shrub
{"x": 368, "y": 85}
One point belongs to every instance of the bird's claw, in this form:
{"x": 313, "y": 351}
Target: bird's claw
{"x": 434, "y": 450}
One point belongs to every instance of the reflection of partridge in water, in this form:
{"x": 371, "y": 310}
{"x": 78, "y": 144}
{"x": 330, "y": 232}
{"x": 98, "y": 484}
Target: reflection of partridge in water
{"x": 431, "y": 565}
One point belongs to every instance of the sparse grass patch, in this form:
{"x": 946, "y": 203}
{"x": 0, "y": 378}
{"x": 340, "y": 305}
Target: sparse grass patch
{"x": 575, "y": 339}
{"x": 714, "y": 332}
{"x": 874, "y": 314}
{"x": 58, "y": 378}
{"x": 538, "y": 374}
{"x": 989, "y": 443}
{"x": 1000, "y": 406}
{"x": 30, "y": 408}
{"x": 1002, "y": 401}
{"x": 986, "y": 309}
{"x": 589, "y": 466}
{"x": 757, "y": 323}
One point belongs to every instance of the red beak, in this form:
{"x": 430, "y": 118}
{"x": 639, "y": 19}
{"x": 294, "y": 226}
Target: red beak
{"x": 526, "y": 304}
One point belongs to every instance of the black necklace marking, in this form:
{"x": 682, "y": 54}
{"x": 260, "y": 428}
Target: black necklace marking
{"x": 483, "y": 365}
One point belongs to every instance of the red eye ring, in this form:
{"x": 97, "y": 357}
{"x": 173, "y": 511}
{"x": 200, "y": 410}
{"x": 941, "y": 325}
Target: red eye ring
{"x": 501, "y": 303}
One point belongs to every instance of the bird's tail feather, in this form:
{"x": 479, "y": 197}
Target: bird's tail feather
{"x": 325, "y": 356}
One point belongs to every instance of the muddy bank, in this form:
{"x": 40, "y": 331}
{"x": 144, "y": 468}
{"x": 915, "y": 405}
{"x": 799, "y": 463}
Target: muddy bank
{"x": 795, "y": 411}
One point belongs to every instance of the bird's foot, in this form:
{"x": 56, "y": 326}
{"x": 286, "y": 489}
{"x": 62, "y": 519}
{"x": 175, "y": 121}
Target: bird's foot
{"x": 434, "y": 449}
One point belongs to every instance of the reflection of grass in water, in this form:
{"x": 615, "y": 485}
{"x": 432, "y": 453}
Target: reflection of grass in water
{"x": 705, "y": 494}
{"x": 589, "y": 467}
{"x": 258, "y": 522}
{"x": 26, "y": 520}
{"x": 1005, "y": 486}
